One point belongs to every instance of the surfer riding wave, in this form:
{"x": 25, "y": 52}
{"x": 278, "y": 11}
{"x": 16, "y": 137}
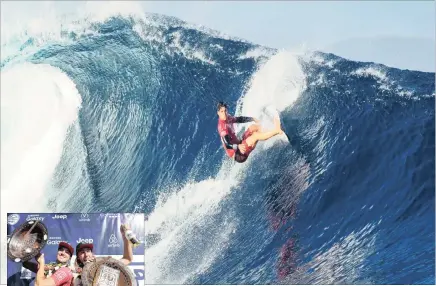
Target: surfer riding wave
{"x": 240, "y": 149}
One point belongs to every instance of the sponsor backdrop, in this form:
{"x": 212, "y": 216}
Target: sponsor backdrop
{"x": 103, "y": 230}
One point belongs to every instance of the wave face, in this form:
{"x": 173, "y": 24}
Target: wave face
{"x": 119, "y": 115}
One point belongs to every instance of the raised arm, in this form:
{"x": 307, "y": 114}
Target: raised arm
{"x": 128, "y": 247}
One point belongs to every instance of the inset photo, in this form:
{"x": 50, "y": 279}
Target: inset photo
{"x": 75, "y": 249}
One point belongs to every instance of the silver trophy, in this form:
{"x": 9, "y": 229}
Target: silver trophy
{"x": 107, "y": 271}
{"x": 27, "y": 241}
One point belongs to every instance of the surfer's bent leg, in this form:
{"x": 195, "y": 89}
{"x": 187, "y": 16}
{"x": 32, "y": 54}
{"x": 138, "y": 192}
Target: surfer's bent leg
{"x": 262, "y": 136}
{"x": 250, "y": 143}
{"x": 254, "y": 128}
{"x": 250, "y": 139}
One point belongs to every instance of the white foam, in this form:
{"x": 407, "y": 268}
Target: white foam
{"x": 188, "y": 51}
{"x": 256, "y": 53}
{"x": 176, "y": 45}
{"x": 371, "y": 71}
{"x": 178, "y": 220}
{"x": 279, "y": 83}
{"x": 38, "y": 105}
{"x": 375, "y": 71}
{"x": 163, "y": 21}
{"x": 383, "y": 80}
{"x": 53, "y": 22}
{"x": 321, "y": 60}
{"x": 216, "y": 46}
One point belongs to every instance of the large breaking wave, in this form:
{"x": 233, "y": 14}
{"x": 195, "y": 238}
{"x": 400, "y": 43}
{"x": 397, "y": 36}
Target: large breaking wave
{"x": 118, "y": 114}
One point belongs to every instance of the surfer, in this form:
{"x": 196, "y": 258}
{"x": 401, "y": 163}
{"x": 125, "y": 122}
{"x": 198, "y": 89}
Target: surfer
{"x": 54, "y": 273}
{"x": 237, "y": 149}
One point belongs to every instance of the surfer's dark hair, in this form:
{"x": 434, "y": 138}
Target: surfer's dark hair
{"x": 221, "y": 104}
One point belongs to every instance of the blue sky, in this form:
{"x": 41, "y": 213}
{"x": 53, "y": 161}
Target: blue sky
{"x": 395, "y": 33}
{"x": 285, "y": 24}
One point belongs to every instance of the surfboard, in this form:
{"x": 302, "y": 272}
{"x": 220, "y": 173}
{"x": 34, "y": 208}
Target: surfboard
{"x": 267, "y": 119}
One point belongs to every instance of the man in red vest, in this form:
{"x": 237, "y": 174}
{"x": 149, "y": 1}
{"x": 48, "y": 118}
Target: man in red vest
{"x": 239, "y": 150}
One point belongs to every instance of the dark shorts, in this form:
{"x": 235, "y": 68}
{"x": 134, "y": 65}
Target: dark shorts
{"x": 239, "y": 157}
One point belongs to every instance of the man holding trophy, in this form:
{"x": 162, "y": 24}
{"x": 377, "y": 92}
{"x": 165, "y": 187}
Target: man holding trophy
{"x": 56, "y": 273}
{"x": 86, "y": 263}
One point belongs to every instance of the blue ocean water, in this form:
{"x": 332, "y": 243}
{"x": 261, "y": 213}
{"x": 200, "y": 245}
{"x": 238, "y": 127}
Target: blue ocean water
{"x": 132, "y": 128}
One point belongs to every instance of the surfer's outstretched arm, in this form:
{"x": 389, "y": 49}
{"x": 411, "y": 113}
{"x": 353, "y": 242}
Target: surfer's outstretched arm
{"x": 244, "y": 119}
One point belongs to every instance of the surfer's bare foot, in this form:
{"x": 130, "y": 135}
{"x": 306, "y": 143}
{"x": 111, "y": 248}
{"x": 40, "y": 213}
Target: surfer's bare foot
{"x": 277, "y": 125}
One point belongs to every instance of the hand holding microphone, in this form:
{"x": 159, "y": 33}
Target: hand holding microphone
{"x": 129, "y": 235}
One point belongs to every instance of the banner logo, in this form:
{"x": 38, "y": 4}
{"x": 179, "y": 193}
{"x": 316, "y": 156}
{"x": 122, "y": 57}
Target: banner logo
{"x": 35, "y": 217}
{"x": 56, "y": 216}
{"x": 112, "y": 215}
{"x": 85, "y": 240}
{"x": 84, "y": 217}
{"x": 113, "y": 241}
{"x": 13, "y": 219}
{"x": 54, "y": 240}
